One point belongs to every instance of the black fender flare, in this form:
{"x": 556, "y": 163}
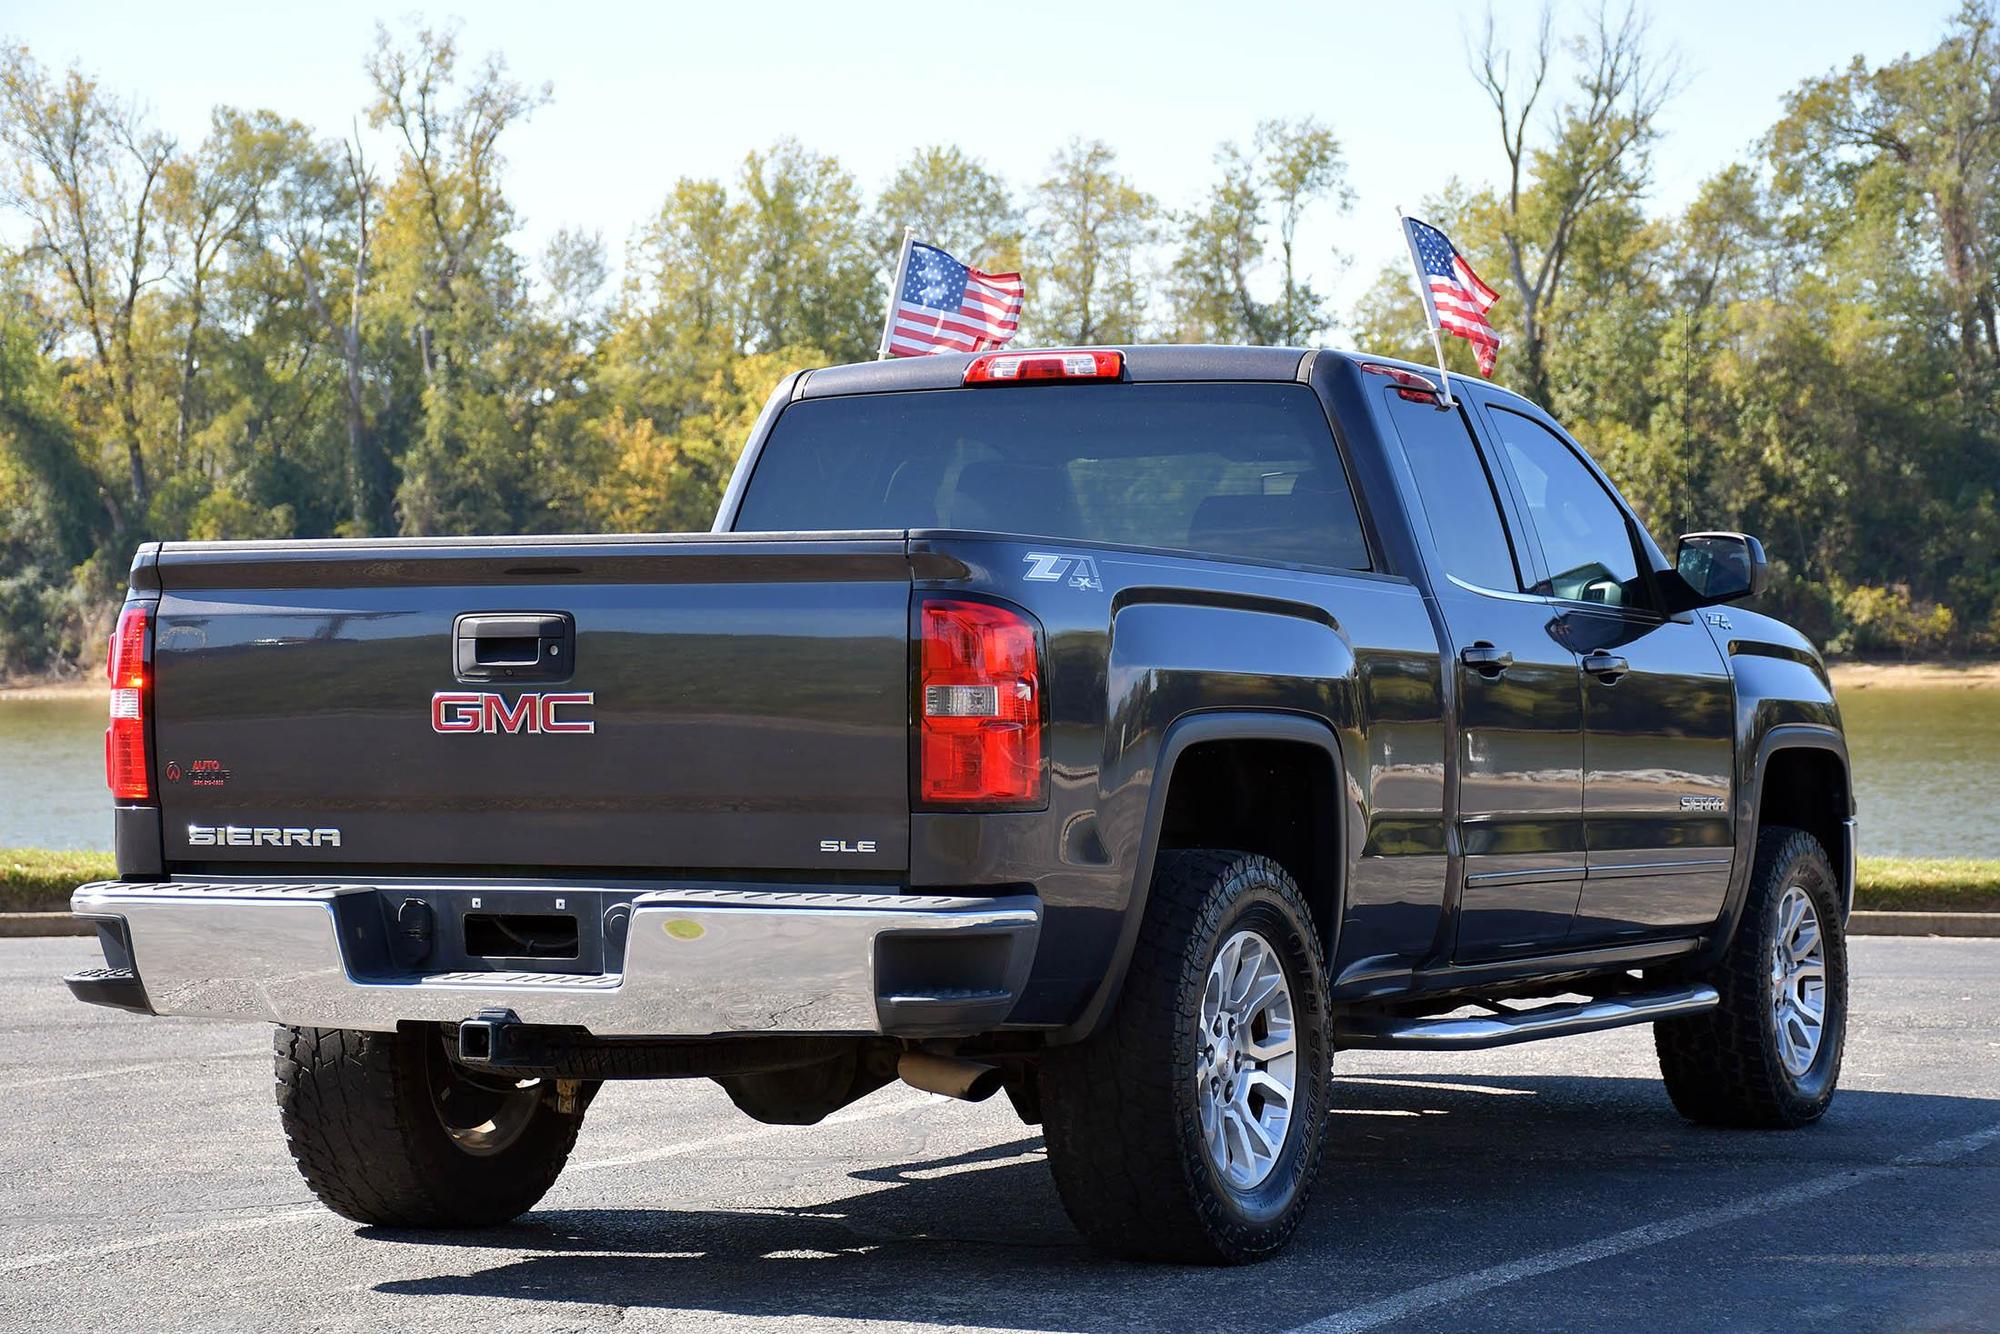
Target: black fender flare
{"x": 1783, "y": 736}
{"x": 1192, "y": 729}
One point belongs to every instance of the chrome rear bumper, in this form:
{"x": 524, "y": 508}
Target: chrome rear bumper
{"x": 695, "y": 963}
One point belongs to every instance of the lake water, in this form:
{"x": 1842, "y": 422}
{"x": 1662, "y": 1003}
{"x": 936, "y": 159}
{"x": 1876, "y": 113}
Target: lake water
{"x": 1926, "y": 766}
{"x": 52, "y": 792}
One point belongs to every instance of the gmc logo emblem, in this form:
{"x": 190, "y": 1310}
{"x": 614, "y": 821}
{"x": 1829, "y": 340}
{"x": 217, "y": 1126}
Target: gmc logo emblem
{"x": 473, "y": 711}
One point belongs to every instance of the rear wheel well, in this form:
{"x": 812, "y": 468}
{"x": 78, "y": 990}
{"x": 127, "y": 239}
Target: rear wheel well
{"x": 1279, "y": 799}
{"x": 1805, "y": 787}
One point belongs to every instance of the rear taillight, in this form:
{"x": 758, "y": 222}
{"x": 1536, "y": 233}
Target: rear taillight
{"x": 979, "y": 701}
{"x": 125, "y": 768}
{"x": 1084, "y": 363}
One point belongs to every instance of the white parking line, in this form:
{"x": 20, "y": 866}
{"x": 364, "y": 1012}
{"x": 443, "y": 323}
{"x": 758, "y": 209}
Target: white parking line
{"x": 1441, "y": 1085}
{"x": 1446, "y": 1291}
{"x": 142, "y": 1067}
{"x": 1371, "y": 1111}
{"x": 83, "y": 1254}
{"x": 972, "y": 1165}
{"x": 900, "y": 1107}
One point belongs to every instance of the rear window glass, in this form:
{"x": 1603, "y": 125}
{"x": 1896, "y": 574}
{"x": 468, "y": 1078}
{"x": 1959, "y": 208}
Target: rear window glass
{"x": 1245, "y": 470}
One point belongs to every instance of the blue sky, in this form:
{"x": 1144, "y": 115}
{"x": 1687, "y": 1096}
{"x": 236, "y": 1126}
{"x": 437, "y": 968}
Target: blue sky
{"x": 648, "y": 93}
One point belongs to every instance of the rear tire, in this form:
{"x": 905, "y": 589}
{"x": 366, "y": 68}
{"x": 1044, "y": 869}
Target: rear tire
{"x": 1763, "y": 1058}
{"x": 387, "y": 1131}
{"x": 1166, "y": 1131}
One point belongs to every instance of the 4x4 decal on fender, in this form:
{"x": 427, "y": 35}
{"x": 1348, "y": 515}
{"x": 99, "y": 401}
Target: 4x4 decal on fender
{"x": 1052, "y": 567}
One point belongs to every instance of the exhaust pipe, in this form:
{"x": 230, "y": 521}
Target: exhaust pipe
{"x": 970, "y": 1081}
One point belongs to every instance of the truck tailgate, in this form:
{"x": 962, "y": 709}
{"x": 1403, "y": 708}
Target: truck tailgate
{"x": 746, "y": 703}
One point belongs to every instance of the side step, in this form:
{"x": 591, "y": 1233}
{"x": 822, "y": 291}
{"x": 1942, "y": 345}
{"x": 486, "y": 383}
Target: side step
{"x": 1505, "y": 1027}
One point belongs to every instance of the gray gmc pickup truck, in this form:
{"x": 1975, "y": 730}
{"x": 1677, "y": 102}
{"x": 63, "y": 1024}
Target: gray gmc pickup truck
{"x": 1126, "y": 729}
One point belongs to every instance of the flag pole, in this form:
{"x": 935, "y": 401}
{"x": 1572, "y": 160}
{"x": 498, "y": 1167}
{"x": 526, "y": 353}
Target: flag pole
{"x": 1430, "y": 309}
{"x": 895, "y": 293}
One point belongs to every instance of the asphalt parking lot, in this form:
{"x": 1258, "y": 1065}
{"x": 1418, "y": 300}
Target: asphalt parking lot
{"x": 144, "y": 1185}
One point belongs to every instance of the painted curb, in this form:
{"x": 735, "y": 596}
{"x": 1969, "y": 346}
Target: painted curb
{"x": 43, "y": 924}
{"x": 1924, "y": 924}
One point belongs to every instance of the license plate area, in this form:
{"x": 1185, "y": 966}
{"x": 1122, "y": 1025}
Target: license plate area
{"x": 427, "y": 929}
{"x": 520, "y": 935}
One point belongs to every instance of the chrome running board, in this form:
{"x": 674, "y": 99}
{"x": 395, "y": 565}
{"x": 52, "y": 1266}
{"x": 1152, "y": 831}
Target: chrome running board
{"x": 1505, "y": 1027}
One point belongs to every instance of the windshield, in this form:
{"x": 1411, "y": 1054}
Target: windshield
{"x": 1243, "y": 470}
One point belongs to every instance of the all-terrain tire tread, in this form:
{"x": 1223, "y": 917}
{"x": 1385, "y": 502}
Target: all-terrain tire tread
{"x": 1121, "y": 1167}
{"x": 359, "y": 1127}
{"x": 1720, "y": 1067}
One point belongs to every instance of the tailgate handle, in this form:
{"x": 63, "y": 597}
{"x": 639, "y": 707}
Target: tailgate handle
{"x": 513, "y": 646}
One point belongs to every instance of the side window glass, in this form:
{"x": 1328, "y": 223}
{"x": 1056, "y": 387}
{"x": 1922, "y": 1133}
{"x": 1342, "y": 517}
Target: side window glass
{"x": 1585, "y": 539}
{"x": 1457, "y": 493}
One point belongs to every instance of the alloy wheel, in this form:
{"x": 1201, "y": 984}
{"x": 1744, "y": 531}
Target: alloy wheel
{"x": 1798, "y": 981}
{"x": 1246, "y": 1062}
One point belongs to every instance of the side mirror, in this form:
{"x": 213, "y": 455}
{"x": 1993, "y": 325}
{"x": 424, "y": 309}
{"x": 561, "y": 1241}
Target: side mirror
{"x": 1720, "y": 567}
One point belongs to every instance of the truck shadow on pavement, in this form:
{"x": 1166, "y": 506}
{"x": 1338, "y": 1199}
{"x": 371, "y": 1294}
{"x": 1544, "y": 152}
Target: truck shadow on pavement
{"x": 1425, "y": 1177}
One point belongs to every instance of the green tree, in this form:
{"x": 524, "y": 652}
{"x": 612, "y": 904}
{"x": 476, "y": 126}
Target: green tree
{"x": 953, "y": 201}
{"x": 1920, "y": 136}
{"x": 324, "y": 227}
{"x": 687, "y": 291}
{"x": 1086, "y": 249}
{"x": 1596, "y": 155}
{"x": 1223, "y": 245}
{"x": 453, "y": 283}
{"x": 51, "y": 518}
{"x": 266, "y": 333}
{"x": 210, "y": 202}
{"x": 85, "y": 171}
{"x": 814, "y": 279}
{"x": 1301, "y": 165}
{"x": 670, "y": 479}
{"x": 1221, "y": 248}
{"x": 446, "y": 217}
{"x": 783, "y": 261}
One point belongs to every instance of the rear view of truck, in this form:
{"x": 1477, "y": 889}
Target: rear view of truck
{"x": 550, "y": 800}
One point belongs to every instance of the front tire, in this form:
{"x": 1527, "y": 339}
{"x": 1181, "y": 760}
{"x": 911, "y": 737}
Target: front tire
{"x": 1189, "y": 1128}
{"x": 1769, "y": 1055}
{"x": 387, "y": 1131}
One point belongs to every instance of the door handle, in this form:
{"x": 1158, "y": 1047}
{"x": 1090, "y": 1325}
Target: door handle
{"x": 1486, "y": 659}
{"x": 1606, "y": 667}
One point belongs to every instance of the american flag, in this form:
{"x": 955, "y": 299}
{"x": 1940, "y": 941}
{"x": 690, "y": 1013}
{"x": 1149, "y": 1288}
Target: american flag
{"x": 1458, "y": 300}
{"x": 946, "y": 306}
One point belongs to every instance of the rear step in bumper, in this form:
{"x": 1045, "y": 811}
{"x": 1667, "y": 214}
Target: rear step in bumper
{"x": 697, "y": 963}
{"x": 116, "y": 987}
{"x": 1475, "y": 1032}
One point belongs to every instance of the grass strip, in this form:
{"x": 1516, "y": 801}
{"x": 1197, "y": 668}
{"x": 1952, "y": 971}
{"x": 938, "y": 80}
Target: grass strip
{"x": 1928, "y": 884}
{"x": 37, "y": 880}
